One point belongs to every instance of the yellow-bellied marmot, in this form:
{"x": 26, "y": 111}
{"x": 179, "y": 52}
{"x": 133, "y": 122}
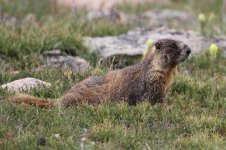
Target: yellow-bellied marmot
{"x": 149, "y": 80}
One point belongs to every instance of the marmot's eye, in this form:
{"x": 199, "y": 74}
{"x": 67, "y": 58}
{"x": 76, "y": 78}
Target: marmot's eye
{"x": 173, "y": 46}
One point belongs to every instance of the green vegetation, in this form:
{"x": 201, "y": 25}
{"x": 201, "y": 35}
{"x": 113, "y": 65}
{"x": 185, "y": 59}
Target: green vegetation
{"x": 195, "y": 117}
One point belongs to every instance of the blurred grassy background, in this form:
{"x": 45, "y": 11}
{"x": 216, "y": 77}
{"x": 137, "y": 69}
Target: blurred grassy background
{"x": 52, "y": 26}
{"x": 197, "y": 119}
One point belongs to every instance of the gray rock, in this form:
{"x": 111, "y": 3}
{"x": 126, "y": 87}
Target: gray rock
{"x": 25, "y": 84}
{"x": 106, "y": 14}
{"x": 133, "y": 42}
{"x": 56, "y": 58}
{"x": 29, "y": 19}
{"x": 100, "y": 4}
{"x": 168, "y": 17}
{"x": 153, "y": 18}
{"x": 41, "y": 141}
{"x": 224, "y": 54}
{"x": 6, "y": 19}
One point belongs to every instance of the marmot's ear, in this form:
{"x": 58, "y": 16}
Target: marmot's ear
{"x": 158, "y": 45}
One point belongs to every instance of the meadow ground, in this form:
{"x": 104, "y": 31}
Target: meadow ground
{"x": 196, "y": 119}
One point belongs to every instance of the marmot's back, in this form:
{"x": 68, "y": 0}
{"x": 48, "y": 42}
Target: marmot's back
{"x": 90, "y": 82}
{"x": 89, "y": 90}
{"x": 115, "y": 85}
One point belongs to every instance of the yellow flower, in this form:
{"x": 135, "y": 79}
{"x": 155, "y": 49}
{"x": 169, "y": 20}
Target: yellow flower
{"x": 149, "y": 42}
{"x": 68, "y": 73}
{"x": 202, "y": 17}
{"x": 97, "y": 71}
{"x": 213, "y": 49}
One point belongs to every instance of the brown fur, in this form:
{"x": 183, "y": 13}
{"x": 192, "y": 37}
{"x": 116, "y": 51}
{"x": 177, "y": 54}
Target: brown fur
{"x": 30, "y": 100}
{"x": 149, "y": 80}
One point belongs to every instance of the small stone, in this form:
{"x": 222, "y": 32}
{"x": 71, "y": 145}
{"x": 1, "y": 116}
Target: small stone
{"x": 83, "y": 139}
{"x": 41, "y": 141}
{"x": 25, "y": 84}
{"x": 57, "y": 136}
{"x": 85, "y": 130}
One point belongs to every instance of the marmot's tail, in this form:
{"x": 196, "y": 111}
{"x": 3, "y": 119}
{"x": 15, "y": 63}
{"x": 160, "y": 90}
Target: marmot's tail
{"x": 30, "y": 100}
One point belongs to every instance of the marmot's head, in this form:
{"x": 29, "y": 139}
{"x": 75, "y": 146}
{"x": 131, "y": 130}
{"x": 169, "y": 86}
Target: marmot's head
{"x": 168, "y": 52}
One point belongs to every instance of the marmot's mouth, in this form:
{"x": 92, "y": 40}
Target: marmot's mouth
{"x": 185, "y": 54}
{"x": 182, "y": 58}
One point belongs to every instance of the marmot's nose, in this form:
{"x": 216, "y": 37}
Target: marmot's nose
{"x": 188, "y": 50}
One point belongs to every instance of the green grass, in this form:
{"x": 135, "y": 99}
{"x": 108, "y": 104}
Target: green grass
{"x": 21, "y": 42}
{"x": 51, "y": 28}
{"x": 196, "y": 119}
